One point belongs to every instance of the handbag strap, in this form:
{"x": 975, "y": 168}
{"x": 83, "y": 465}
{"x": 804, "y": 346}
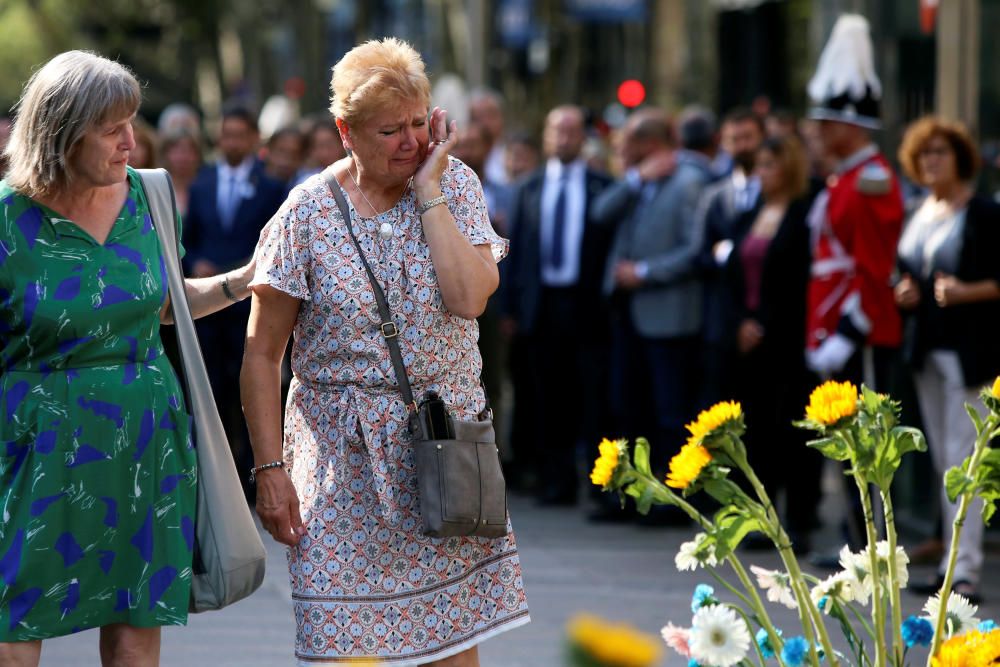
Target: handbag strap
{"x": 388, "y": 328}
{"x": 163, "y": 209}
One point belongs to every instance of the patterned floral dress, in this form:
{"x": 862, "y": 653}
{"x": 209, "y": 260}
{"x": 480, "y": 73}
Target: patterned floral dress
{"x": 365, "y": 581}
{"x": 97, "y": 472}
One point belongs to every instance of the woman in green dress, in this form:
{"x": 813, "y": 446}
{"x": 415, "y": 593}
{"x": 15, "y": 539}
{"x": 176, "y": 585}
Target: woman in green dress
{"x": 97, "y": 467}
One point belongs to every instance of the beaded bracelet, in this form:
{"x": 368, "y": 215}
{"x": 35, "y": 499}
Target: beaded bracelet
{"x": 431, "y": 203}
{"x": 257, "y": 469}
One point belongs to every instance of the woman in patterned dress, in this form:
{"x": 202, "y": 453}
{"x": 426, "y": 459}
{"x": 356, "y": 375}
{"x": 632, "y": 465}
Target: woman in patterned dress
{"x": 97, "y": 470}
{"x": 366, "y": 583}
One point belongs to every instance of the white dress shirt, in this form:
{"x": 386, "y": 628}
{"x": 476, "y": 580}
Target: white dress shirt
{"x": 234, "y": 187}
{"x": 569, "y": 272}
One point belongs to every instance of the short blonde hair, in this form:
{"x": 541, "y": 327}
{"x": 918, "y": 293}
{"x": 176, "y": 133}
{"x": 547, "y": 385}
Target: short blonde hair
{"x": 69, "y": 96}
{"x": 379, "y": 74}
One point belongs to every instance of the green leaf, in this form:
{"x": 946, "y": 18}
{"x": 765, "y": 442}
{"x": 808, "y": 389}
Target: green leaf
{"x": 720, "y": 489}
{"x": 731, "y": 527}
{"x": 956, "y": 482}
{"x": 833, "y": 447}
{"x": 916, "y": 442}
{"x": 991, "y": 401}
{"x": 640, "y": 456}
{"x": 974, "y": 416}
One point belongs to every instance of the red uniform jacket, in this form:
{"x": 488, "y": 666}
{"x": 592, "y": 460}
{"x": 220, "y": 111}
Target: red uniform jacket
{"x": 856, "y": 222}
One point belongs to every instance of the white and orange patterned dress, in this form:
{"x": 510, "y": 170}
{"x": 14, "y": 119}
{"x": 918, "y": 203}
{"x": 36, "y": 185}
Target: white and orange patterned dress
{"x": 366, "y": 583}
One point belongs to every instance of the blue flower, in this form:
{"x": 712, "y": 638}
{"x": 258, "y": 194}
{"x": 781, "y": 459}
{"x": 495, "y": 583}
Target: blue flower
{"x": 764, "y": 642}
{"x": 795, "y": 651}
{"x": 704, "y": 595}
{"x": 987, "y": 626}
{"x": 917, "y": 630}
{"x": 693, "y": 663}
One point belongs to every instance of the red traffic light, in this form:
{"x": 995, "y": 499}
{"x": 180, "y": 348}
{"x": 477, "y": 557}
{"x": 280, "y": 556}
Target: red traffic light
{"x": 631, "y": 93}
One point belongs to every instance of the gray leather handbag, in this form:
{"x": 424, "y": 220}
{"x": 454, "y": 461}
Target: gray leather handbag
{"x": 229, "y": 556}
{"x": 460, "y": 479}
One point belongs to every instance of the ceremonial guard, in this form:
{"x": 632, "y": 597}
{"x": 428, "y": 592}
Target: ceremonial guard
{"x": 852, "y": 321}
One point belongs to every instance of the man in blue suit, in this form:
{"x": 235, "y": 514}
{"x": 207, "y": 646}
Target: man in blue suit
{"x": 552, "y": 303}
{"x": 230, "y": 202}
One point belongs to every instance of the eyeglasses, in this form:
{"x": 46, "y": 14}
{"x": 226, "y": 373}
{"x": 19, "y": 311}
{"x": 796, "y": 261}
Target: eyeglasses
{"x": 934, "y": 152}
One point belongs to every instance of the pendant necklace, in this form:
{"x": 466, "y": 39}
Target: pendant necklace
{"x": 385, "y": 229}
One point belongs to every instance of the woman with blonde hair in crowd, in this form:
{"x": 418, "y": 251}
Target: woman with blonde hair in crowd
{"x": 767, "y": 273}
{"x": 340, "y": 487}
{"x": 98, "y": 476}
{"x": 949, "y": 290}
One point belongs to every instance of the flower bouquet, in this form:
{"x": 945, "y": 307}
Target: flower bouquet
{"x": 862, "y": 430}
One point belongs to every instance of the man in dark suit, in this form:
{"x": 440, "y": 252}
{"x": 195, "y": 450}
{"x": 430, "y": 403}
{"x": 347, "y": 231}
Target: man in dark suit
{"x": 720, "y": 206}
{"x": 552, "y": 301}
{"x": 652, "y": 280}
{"x": 229, "y": 203}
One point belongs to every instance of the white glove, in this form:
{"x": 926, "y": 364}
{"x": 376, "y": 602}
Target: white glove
{"x": 831, "y": 356}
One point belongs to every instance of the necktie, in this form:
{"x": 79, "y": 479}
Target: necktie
{"x": 558, "y": 225}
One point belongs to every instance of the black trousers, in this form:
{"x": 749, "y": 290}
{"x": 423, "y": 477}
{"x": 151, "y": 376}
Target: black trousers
{"x": 570, "y": 369}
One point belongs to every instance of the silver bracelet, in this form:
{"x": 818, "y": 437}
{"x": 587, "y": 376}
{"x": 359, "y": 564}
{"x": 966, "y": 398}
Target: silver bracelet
{"x": 228, "y": 292}
{"x": 266, "y": 466}
{"x": 431, "y": 203}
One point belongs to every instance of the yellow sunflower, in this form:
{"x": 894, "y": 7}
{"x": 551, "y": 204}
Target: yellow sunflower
{"x": 970, "y": 649}
{"x": 713, "y": 418}
{"x": 614, "y": 644}
{"x": 607, "y": 462}
{"x": 687, "y": 465}
{"x": 996, "y": 388}
{"x": 832, "y": 401}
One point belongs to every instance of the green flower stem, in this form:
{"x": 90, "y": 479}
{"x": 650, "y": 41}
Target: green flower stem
{"x": 668, "y": 496}
{"x": 746, "y": 619}
{"x": 982, "y": 444}
{"x": 808, "y": 614}
{"x": 732, "y": 589}
{"x": 899, "y": 653}
{"x": 878, "y": 609}
{"x": 863, "y": 658}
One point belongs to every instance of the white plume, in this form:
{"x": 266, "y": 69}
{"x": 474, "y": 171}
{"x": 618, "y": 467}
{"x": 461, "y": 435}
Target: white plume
{"x": 847, "y": 63}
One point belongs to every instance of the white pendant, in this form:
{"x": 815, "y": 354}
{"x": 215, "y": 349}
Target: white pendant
{"x": 385, "y": 231}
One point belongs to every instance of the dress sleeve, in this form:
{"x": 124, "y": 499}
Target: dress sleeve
{"x": 467, "y": 204}
{"x": 284, "y": 251}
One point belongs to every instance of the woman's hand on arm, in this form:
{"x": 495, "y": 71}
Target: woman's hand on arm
{"x": 272, "y": 318}
{"x": 212, "y": 294}
{"x": 467, "y": 274}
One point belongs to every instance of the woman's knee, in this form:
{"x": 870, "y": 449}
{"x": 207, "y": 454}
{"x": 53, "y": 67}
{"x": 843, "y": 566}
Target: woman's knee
{"x": 127, "y": 646}
{"x": 20, "y": 654}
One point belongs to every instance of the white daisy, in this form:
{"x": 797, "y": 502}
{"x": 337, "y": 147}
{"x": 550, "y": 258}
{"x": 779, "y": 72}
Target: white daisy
{"x": 839, "y": 586}
{"x": 686, "y": 559}
{"x": 882, "y": 550}
{"x": 777, "y": 585}
{"x": 718, "y": 636}
{"x": 960, "y": 616}
{"x": 858, "y": 567}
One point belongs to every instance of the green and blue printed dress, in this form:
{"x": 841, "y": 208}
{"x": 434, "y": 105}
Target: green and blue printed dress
{"x": 97, "y": 467}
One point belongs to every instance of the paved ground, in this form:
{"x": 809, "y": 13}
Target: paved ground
{"x": 622, "y": 572}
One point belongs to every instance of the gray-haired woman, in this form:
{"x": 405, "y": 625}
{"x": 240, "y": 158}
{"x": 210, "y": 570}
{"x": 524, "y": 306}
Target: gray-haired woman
{"x": 97, "y": 471}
